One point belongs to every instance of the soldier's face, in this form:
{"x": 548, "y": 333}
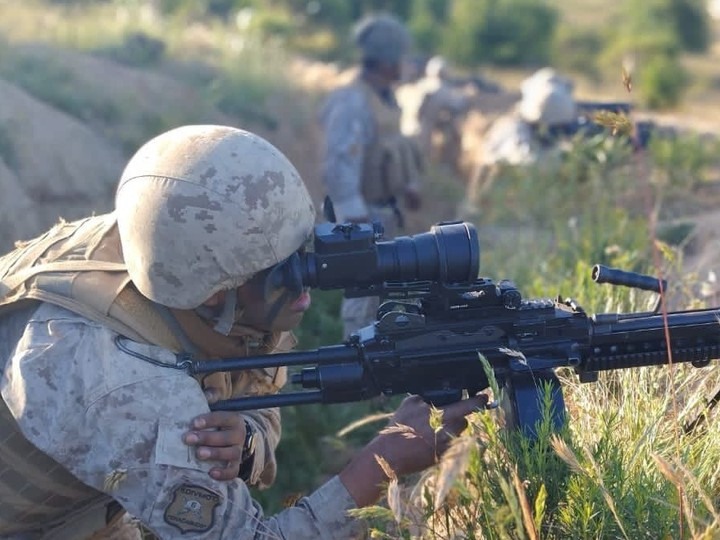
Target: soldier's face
{"x": 392, "y": 71}
{"x": 281, "y": 310}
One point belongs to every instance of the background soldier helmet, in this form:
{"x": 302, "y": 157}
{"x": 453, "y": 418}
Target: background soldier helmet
{"x": 547, "y": 99}
{"x": 203, "y": 208}
{"x": 382, "y": 38}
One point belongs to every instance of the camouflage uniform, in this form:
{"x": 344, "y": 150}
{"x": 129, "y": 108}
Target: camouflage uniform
{"x": 367, "y": 162}
{"x": 513, "y": 139}
{"x": 432, "y": 105}
{"x": 86, "y": 421}
{"x": 115, "y": 422}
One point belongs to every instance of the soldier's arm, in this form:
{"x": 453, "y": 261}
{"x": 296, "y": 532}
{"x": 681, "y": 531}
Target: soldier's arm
{"x": 117, "y": 426}
{"x": 347, "y": 125}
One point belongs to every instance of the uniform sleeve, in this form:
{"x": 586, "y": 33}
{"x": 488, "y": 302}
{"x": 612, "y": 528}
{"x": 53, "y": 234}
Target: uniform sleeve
{"x": 116, "y": 422}
{"x": 509, "y": 140}
{"x": 347, "y": 129}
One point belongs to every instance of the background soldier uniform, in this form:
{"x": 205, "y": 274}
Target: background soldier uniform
{"x": 517, "y": 138}
{"x": 368, "y": 165}
{"x": 432, "y": 105}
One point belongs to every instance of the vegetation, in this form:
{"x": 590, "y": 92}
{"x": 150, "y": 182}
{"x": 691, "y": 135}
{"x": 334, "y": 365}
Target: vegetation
{"x": 622, "y": 468}
{"x": 652, "y": 36}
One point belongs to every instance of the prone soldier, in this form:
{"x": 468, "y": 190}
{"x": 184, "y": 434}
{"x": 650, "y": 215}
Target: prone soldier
{"x": 96, "y": 319}
{"x": 521, "y": 137}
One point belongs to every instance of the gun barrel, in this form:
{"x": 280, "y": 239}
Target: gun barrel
{"x": 265, "y": 402}
{"x": 333, "y": 353}
{"x": 614, "y": 276}
{"x": 612, "y": 106}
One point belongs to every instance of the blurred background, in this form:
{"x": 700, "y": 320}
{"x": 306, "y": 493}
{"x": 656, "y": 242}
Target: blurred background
{"x": 83, "y": 83}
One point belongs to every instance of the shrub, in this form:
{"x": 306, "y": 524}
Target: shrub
{"x": 577, "y": 50}
{"x": 506, "y": 32}
{"x": 137, "y": 49}
{"x": 426, "y": 23}
{"x": 686, "y": 20}
{"x": 661, "y": 82}
{"x": 684, "y": 161}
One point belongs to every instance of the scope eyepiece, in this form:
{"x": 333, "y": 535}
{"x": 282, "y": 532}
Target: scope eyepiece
{"x": 352, "y": 255}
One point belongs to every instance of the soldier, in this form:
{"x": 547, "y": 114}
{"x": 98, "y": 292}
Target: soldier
{"x": 521, "y": 137}
{"x": 433, "y": 105}
{"x": 96, "y": 315}
{"x": 369, "y": 167}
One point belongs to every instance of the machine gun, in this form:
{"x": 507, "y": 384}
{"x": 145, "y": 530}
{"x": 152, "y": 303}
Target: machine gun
{"x": 585, "y": 123}
{"x": 438, "y": 317}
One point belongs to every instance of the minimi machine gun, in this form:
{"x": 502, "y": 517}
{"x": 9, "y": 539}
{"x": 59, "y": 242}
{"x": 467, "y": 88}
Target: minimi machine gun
{"x": 585, "y": 123}
{"x": 438, "y": 317}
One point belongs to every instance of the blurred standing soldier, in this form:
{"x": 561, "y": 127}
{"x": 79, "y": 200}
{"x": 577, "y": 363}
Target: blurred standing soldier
{"x": 369, "y": 167}
{"x": 432, "y": 106}
{"x": 526, "y": 135}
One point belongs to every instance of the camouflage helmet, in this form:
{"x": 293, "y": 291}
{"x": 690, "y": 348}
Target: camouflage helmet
{"x": 382, "y": 37}
{"x": 547, "y": 98}
{"x": 203, "y": 208}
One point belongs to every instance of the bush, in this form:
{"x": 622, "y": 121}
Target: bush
{"x": 505, "y": 32}
{"x": 576, "y": 50}
{"x": 426, "y": 23}
{"x": 684, "y": 160}
{"x": 686, "y": 21}
{"x": 137, "y": 49}
{"x": 661, "y": 82}
{"x": 691, "y": 24}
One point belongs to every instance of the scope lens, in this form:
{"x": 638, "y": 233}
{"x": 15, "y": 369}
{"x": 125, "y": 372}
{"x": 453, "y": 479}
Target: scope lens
{"x": 450, "y": 253}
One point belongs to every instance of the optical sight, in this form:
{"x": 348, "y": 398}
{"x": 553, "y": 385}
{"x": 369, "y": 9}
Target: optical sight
{"x": 352, "y": 255}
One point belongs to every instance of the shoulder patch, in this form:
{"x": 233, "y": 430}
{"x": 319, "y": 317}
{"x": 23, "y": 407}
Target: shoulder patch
{"x": 192, "y": 508}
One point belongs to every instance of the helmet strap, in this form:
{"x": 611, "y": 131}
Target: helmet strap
{"x": 277, "y": 306}
{"x": 227, "y": 318}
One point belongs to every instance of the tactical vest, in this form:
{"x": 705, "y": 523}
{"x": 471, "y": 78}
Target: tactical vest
{"x": 40, "y": 495}
{"x": 79, "y": 266}
{"x": 392, "y": 161}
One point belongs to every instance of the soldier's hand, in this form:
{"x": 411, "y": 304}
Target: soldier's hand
{"x": 413, "y": 200}
{"x": 408, "y": 445}
{"x": 218, "y": 436}
{"x": 414, "y": 445}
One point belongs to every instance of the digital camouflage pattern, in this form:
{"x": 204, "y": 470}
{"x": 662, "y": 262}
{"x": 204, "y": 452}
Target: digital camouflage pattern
{"x": 64, "y": 264}
{"x": 191, "y": 224}
{"x": 513, "y": 138}
{"x": 117, "y": 423}
{"x": 432, "y": 105}
{"x": 117, "y": 420}
{"x": 349, "y": 128}
{"x": 353, "y": 127}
